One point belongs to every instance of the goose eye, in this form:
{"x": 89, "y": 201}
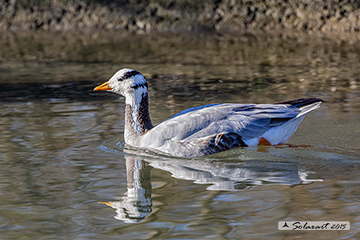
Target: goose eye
{"x": 120, "y": 79}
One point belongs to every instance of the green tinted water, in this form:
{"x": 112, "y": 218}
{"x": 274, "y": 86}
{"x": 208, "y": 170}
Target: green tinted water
{"x": 65, "y": 173}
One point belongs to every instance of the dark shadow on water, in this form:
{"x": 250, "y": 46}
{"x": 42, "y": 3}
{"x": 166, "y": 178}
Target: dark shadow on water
{"x": 79, "y": 90}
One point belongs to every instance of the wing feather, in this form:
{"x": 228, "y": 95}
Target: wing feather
{"x": 246, "y": 120}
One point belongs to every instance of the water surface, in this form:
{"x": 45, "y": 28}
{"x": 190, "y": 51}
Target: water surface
{"x": 66, "y": 174}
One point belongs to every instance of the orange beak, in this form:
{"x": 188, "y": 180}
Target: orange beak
{"x": 103, "y": 87}
{"x": 107, "y": 203}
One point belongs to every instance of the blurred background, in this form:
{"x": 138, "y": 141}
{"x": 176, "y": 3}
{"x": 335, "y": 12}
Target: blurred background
{"x": 64, "y": 170}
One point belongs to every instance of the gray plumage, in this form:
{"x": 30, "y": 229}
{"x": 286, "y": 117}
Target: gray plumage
{"x": 206, "y": 129}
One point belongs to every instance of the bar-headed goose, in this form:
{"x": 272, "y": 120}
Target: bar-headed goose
{"x": 206, "y": 129}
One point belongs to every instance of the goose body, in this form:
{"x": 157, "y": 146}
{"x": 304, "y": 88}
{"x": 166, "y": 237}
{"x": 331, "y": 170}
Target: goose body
{"x": 206, "y": 129}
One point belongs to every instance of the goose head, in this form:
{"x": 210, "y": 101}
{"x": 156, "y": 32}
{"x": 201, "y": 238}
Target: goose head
{"x": 126, "y": 82}
{"x": 133, "y": 86}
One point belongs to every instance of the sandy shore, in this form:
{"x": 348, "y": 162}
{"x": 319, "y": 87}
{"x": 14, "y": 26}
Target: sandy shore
{"x": 227, "y": 16}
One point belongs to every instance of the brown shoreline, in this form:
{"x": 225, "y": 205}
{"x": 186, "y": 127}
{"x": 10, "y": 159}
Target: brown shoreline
{"x": 266, "y": 16}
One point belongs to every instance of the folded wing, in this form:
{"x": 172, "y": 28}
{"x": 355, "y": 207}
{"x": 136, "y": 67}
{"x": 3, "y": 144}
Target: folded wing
{"x": 245, "y": 120}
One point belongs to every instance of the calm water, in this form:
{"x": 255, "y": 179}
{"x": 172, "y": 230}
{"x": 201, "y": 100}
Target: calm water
{"x": 66, "y": 174}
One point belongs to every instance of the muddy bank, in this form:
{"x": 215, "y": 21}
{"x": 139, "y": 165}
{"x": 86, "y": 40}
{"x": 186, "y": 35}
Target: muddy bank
{"x": 181, "y": 15}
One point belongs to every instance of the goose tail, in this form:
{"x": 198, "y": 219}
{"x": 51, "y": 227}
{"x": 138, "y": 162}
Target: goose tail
{"x": 305, "y": 105}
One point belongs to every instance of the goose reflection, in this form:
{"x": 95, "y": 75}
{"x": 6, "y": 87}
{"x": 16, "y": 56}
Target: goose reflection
{"x": 137, "y": 203}
{"x": 218, "y": 175}
{"x": 228, "y": 176}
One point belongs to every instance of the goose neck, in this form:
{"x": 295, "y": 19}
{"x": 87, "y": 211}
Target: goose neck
{"x": 137, "y": 117}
